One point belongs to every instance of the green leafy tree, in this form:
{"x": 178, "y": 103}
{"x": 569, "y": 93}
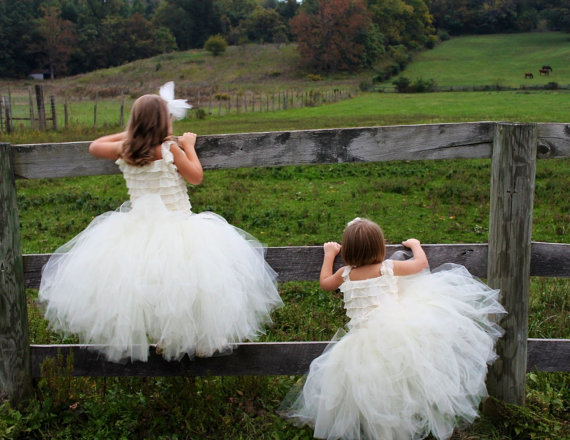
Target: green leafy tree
{"x": 263, "y": 25}
{"x": 216, "y": 44}
{"x": 17, "y": 21}
{"x": 235, "y": 10}
{"x": 190, "y": 21}
{"x": 405, "y": 22}
{"x": 164, "y": 40}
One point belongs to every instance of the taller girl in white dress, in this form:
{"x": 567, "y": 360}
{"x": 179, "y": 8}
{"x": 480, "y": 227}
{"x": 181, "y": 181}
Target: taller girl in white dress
{"x": 153, "y": 271}
{"x": 415, "y": 357}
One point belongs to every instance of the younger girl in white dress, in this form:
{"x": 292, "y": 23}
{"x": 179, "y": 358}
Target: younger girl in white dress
{"x": 415, "y": 357}
{"x": 153, "y": 271}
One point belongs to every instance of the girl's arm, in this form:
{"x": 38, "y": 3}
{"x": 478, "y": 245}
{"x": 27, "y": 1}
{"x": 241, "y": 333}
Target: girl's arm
{"x": 109, "y": 146}
{"x": 186, "y": 159}
{"x": 329, "y": 280}
{"x": 415, "y": 265}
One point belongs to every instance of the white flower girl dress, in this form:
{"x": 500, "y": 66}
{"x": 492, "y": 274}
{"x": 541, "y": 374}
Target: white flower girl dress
{"x": 153, "y": 271}
{"x": 413, "y": 361}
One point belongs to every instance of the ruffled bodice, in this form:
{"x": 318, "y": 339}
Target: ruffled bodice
{"x": 159, "y": 177}
{"x": 363, "y": 296}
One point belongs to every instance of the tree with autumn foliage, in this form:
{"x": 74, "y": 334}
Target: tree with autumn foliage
{"x": 332, "y": 34}
{"x": 57, "y": 38}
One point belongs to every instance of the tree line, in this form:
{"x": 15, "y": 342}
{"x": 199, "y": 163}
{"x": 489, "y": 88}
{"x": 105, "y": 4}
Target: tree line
{"x": 68, "y": 37}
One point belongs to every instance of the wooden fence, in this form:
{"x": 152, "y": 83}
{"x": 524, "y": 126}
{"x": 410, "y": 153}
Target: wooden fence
{"x": 28, "y": 109}
{"x": 507, "y": 261}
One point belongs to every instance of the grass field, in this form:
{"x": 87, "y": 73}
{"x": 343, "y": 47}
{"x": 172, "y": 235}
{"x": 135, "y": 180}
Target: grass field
{"x": 367, "y": 109}
{"x": 436, "y": 201}
{"x": 495, "y": 60}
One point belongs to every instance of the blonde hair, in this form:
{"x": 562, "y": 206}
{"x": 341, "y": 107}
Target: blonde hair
{"x": 363, "y": 243}
{"x": 149, "y": 126}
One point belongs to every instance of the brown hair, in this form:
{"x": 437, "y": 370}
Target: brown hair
{"x": 363, "y": 243}
{"x": 149, "y": 125}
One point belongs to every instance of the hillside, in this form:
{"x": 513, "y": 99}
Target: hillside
{"x": 477, "y": 60}
{"x": 252, "y": 67}
{"x": 461, "y": 61}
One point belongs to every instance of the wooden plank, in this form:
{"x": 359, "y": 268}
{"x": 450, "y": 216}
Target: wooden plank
{"x": 59, "y": 160}
{"x": 15, "y": 372}
{"x": 375, "y": 144}
{"x": 253, "y": 359}
{"x": 550, "y": 259}
{"x": 553, "y": 141}
{"x": 247, "y": 359}
{"x": 513, "y": 170}
{"x": 303, "y": 263}
{"x": 406, "y": 142}
{"x": 548, "y": 355}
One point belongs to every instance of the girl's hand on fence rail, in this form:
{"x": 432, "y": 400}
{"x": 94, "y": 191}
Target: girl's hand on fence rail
{"x": 416, "y": 264}
{"x": 331, "y": 247}
{"x": 186, "y": 141}
{"x": 186, "y": 159}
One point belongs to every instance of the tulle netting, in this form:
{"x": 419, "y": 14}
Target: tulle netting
{"x": 192, "y": 283}
{"x": 416, "y": 364}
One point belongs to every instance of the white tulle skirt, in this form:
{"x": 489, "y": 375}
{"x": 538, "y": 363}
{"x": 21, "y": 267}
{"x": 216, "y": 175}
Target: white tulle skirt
{"x": 192, "y": 283}
{"x": 416, "y": 366}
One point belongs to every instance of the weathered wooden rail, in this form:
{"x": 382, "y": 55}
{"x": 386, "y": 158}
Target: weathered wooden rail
{"x": 507, "y": 261}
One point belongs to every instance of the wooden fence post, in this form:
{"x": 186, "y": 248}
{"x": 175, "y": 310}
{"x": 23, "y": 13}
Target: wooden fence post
{"x": 8, "y": 113}
{"x": 53, "y": 112}
{"x": 15, "y": 367}
{"x": 41, "y": 107}
{"x": 122, "y": 111}
{"x": 66, "y": 112}
{"x": 95, "y": 110}
{"x": 31, "y": 104}
{"x": 512, "y": 190}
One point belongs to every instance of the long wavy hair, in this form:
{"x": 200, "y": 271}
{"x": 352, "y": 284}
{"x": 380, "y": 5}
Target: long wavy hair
{"x": 363, "y": 243}
{"x": 149, "y": 126}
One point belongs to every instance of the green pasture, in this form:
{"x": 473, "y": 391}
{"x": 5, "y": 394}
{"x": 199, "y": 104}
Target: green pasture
{"x": 367, "y": 109}
{"x": 373, "y": 109}
{"x": 502, "y": 59}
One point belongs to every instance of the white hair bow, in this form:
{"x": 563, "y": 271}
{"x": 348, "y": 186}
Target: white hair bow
{"x": 176, "y": 107}
{"x": 357, "y": 219}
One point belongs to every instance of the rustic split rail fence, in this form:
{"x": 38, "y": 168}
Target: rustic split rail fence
{"x": 507, "y": 260}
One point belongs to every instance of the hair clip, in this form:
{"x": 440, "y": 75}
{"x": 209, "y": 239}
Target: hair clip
{"x": 176, "y": 107}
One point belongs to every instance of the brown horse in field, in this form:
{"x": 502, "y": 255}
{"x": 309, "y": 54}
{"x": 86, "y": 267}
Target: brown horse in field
{"x": 543, "y": 71}
{"x": 547, "y": 68}
{"x": 528, "y": 75}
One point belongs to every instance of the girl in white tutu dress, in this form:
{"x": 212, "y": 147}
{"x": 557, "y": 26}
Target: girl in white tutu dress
{"x": 415, "y": 356}
{"x": 153, "y": 271}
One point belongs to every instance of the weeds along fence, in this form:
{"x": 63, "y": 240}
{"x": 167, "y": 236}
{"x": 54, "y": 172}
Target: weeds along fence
{"x": 28, "y": 109}
{"x": 507, "y": 260}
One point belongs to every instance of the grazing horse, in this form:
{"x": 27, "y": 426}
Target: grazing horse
{"x": 543, "y": 71}
{"x": 528, "y": 75}
{"x": 547, "y": 68}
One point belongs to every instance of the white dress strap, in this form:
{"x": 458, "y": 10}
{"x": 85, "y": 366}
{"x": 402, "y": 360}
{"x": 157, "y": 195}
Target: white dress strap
{"x": 346, "y": 273}
{"x": 167, "y": 155}
{"x": 387, "y": 267}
